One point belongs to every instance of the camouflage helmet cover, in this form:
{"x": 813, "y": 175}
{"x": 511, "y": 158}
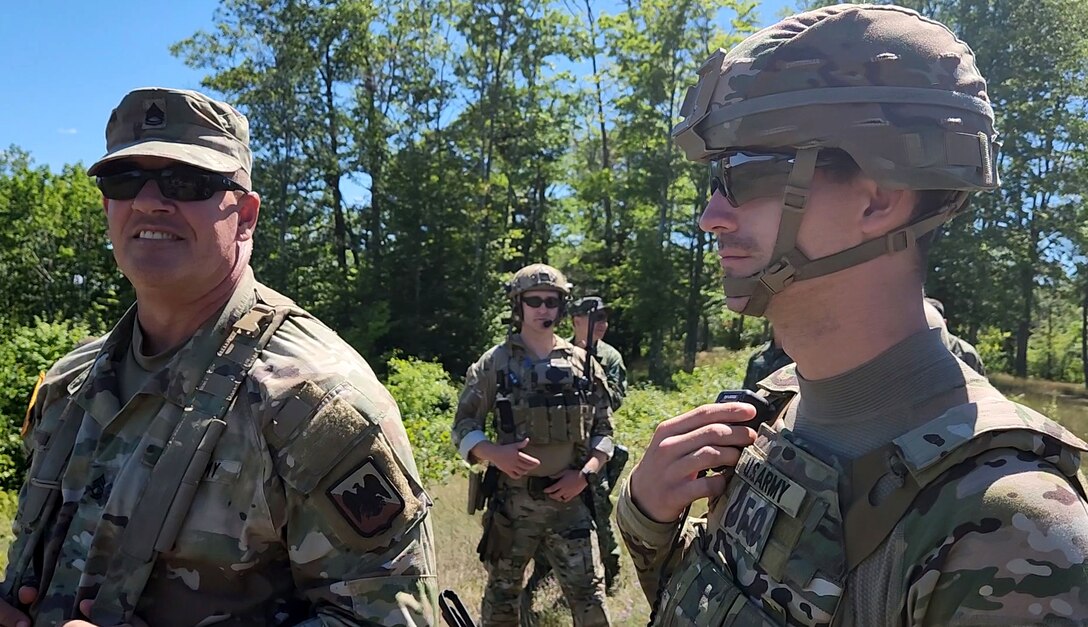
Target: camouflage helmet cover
{"x": 537, "y": 276}
{"x": 897, "y": 91}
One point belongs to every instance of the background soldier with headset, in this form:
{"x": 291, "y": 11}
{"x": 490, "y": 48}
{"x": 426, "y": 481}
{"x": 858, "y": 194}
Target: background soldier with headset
{"x": 553, "y": 432}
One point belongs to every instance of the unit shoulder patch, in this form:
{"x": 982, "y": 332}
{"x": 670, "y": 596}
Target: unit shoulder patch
{"x": 366, "y": 498}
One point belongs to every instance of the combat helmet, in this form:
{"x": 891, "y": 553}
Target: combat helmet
{"x": 896, "y": 91}
{"x": 537, "y": 276}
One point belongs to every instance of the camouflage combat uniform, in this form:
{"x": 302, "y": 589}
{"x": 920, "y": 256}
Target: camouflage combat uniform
{"x": 906, "y": 491}
{"x": 615, "y": 372}
{"x": 768, "y": 358}
{"x": 310, "y": 510}
{"x": 616, "y": 375}
{"x": 961, "y": 348}
{"x": 563, "y": 425}
{"x": 1001, "y": 537}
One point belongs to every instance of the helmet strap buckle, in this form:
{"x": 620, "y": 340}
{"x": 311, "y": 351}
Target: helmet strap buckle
{"x": 898, "y": 241}
{"x": 778, "y": 276}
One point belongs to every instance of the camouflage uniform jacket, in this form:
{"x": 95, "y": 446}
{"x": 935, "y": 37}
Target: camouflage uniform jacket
{"x": 766, "y": 360}
{"x": 966, "y": 353}
{"x": 478, "y": 398}
{"x": 309, "y": 512}
{"x": 997, "y": 538}
{"x": 615, "y": 371}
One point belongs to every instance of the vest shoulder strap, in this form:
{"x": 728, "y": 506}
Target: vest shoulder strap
{"x": 165, "y": 501}
{"x": 918, "y": 458}
{"x": 500, "y": 363}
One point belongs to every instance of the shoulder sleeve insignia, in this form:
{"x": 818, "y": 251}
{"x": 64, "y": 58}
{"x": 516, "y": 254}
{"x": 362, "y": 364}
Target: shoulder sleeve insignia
{"x": 366, "y": 498}
{"x": 25, "y": 430}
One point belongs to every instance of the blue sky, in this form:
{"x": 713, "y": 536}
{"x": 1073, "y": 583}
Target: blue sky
{"x": 67, "y": 64}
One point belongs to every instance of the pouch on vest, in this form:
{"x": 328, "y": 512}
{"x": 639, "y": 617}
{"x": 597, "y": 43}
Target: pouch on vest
{"x": 778, "y": 529}
{"x": 702, "y": 594}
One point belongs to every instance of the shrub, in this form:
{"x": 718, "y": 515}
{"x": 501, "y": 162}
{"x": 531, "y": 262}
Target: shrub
{"x": 645, "y": 407}
{"x": 427, "y": 398}
{"x": 25, "y": 352}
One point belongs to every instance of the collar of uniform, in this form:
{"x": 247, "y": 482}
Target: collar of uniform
{"x": 98, "y": 394}
{"x": 907, "y": 373}
{"x": 561, "y": 344}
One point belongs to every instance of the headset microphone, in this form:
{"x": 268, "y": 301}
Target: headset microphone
{"x": 548, "y": 323}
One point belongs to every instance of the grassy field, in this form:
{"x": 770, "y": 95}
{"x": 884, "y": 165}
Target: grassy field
{"x": 458, "y": 532}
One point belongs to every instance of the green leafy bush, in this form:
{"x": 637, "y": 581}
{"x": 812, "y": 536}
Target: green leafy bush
{"x": 25, "y": 352}
{"x": 427, "y": 398}
{"x": 645, "y": 407}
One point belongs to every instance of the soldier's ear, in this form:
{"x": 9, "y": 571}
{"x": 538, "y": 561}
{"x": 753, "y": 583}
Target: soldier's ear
{"x": 249, "y": 209}
{"x": 886, "y": 210}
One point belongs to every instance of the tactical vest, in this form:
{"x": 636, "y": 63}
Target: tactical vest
{"x": 544, "y": 401}
{"x": 162, "y": 507}
{"x": 780, "y": 543}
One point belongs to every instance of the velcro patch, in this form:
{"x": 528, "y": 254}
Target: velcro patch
{"x": 367, "y": 499}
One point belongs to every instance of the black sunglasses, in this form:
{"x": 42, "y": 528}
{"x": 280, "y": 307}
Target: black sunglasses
{"x": 742, "y": 176}
{"x": 550, "y": 302}
{"x": 179, "y": 182}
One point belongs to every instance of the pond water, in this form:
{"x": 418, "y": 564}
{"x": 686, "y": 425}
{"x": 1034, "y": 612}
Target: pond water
{"x": 1071, "y": 410}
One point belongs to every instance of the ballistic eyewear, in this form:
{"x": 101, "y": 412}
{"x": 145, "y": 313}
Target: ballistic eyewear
{"x": 177, "y": 182}
{"x": 742, "y": 176}
{"x": 550, "y": 302}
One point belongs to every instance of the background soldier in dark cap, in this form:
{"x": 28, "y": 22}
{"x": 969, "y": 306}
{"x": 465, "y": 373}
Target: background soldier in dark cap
{"x": 888, "y": 483}
{"x": 768, "y": 358}
{"x": 961, "y": 348}
{"x": 220, "y": 455}
{"x": 553, "y": 436}
{"x": 615, "y": 370}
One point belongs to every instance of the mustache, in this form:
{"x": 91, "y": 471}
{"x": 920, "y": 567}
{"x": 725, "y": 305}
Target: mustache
{"x": 737, "y": 242}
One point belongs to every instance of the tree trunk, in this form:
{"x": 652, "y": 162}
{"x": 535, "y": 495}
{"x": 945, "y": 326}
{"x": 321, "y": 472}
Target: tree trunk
{"x": 695, "y": 284}
{"x": 606, "y": 163}
{"x": 332, "y": 168}
{"x": 1084, "y": 334}
{"x": 1023, "y": 328}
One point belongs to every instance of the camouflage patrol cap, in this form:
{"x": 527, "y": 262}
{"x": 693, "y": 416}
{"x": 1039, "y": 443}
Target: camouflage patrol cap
{"x": 177, "y": 124}
{"x": 583, "y": 306}
{"x": 537, "y": 276}
{"x": 896, "y": 90}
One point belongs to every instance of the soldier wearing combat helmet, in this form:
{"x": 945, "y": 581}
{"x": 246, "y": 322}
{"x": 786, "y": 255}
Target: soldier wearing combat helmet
{"x": 552, "y": 433}
{"x": 889, "y": 483}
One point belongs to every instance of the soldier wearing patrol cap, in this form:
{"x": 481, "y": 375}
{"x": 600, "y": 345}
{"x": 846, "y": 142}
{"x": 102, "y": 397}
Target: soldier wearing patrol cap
{"x": 890, "y": 483}
{"x": 220, "y": 455}
{"x": 552, "y": 435}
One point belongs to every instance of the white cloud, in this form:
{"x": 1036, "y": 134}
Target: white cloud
{"x": 66, "y": 131}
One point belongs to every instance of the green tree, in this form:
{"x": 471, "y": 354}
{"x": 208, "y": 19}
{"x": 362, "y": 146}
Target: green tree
{"x": 1035, "y": 58}
{"x": 55, "y": 259}
{"x": 657, "y": 48}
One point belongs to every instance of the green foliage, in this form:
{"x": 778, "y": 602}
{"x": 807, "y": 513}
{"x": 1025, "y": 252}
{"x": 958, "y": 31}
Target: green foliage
{"x": 25, "y": 352}
{"x": 646, "y": 406}
{"x": 427, "y": 399}
{"x": 55, "y": 259}
{"x": 9, "y": 502}
{"x": 992, "y": 345}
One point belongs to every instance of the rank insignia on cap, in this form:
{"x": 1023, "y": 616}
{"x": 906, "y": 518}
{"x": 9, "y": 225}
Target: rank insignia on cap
{"x": 154, "y": 113}
{"x": 367, "y": 499}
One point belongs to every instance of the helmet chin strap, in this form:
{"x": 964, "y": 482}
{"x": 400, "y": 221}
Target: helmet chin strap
{"x": 789, "y": 264}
